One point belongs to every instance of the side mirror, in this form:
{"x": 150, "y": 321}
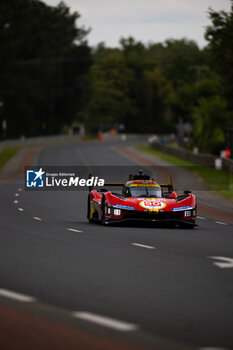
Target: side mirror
{"x": 187, "y": 191}
{"x": 169, "y": 194}
{"x": 172, "y": 195}
{"x": 104, "y": 190}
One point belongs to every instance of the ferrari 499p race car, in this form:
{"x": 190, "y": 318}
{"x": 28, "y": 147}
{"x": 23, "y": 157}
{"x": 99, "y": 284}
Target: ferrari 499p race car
{"x": 142, "y": 199}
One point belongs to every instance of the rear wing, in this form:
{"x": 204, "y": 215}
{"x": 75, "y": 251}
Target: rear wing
{"x": 115, "y": 184}
{"x": 169, "y": 186}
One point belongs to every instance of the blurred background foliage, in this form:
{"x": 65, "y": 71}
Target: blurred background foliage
{"x": 51, "y": 78}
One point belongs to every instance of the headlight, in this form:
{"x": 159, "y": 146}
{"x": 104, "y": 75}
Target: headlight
{"x": 116, "y": 212}
{"x": 188, "y": 213}
{"x": 113, "y": 211}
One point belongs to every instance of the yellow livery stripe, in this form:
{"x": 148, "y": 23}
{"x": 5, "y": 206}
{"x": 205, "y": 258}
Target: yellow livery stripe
{"x": 144, "y": 185}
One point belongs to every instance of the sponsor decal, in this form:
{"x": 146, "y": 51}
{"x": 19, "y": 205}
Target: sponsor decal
{"x": 152, "y": 204}
{"x": 123, "y": 207}
{"x": 35, "y": 178}
{"x": 188, "y": 207}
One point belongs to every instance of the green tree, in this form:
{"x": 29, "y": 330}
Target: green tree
{"x": 41, "y": 53}
{"x": 208, "y": 117}
{"x": 127, "y": 87}
{"x": 146, "y": 89}
{"x": 186, "y": 97}
{"x": 109, "y": 101}
{"x": 220, "y": 37}
{"x": 180, "y": 60}
{"x": 158, "y": 93}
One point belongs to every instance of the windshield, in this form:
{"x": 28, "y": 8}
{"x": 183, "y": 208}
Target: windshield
{"x": 152, "y": 192}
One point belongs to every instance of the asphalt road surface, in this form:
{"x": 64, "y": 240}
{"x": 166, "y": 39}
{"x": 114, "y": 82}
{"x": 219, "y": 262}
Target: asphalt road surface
{"x": 104, "y": 287}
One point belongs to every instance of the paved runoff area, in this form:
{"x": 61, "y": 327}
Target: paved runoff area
{"x": 65, "y": 283}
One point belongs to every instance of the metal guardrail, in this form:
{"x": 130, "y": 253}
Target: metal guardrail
{"x": 201, "y": 159}
{"x": 23, "y": 142}
{"x": 227, "y": 165}
{"x": 44, "y": 140}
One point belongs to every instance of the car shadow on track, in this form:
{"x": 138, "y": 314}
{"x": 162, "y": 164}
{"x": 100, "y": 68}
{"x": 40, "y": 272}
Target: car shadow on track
{"x": 138, "y": 224}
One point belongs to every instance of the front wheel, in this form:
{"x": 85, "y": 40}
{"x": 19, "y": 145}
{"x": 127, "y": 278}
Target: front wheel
{"x": 102, "y": 217}
{"x": 89, "y": 215}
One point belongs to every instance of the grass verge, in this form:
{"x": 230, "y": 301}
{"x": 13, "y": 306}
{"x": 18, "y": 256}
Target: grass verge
{"x": 6, "y": 154}
{"x": 213, "y": 180}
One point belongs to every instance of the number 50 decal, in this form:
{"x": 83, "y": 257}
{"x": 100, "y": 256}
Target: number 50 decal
{"x": 147, "y": 204}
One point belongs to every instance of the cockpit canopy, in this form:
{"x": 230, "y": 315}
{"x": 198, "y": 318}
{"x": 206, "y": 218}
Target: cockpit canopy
{"x": 143, "y": 190}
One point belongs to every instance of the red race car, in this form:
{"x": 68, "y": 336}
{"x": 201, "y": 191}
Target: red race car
{"x": 142, "y": 199}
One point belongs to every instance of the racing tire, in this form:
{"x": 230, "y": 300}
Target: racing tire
{"x": 102, "y": 218}
{"x": 89, "y": 209}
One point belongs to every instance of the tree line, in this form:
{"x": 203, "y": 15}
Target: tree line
{"x": 50, "y": 77}
{"x": 44, "y": 62}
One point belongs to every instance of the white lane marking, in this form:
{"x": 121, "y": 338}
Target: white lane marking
{"x": 17, "y": 296}
{"x": 36, "y": 218}
{"x": 20, "y": 209}
{"x": 16, "y": 195}
{"x": 200, "y": 217}
{"x": 16, "y": 202}
{"x": 220, "y": 223}
{"x": 19, "y": 189}
{"x": 223, "y": 265}
{"x": 143, "y": 246}
{"x": 106, "y": 321}
{"x": 74, "y": 230}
